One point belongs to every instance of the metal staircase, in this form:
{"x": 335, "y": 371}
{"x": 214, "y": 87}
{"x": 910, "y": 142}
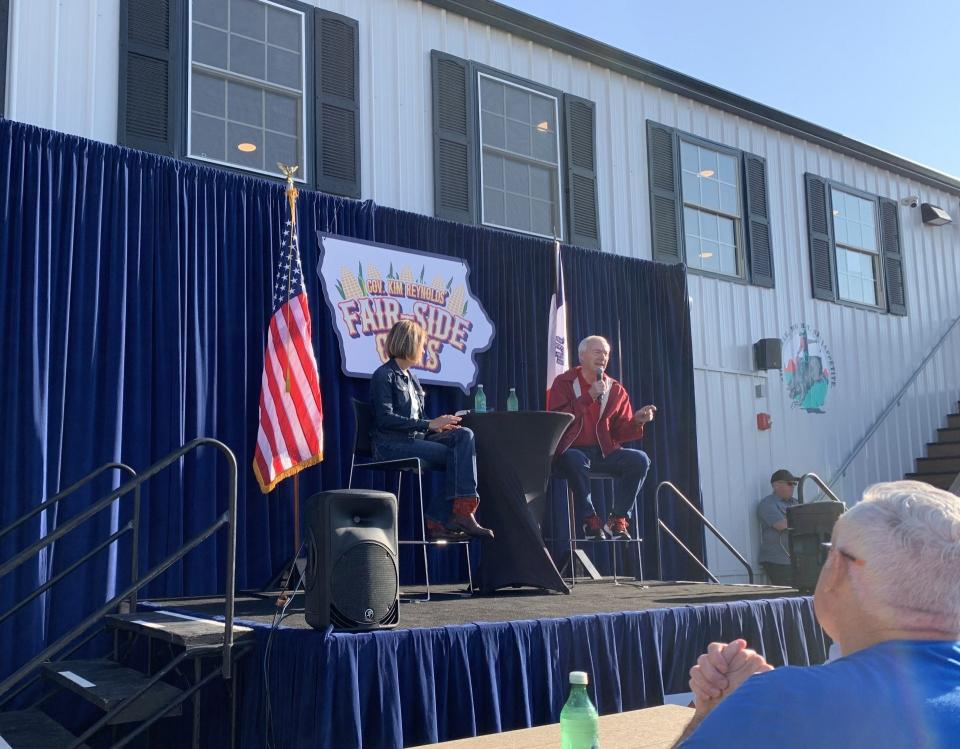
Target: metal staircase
{"x": 159, "y": 659}
{"x": 942, "y": 465}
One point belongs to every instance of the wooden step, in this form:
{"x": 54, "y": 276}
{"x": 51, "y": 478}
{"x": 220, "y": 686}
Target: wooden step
{"x": 106, "y": 684}
{"x": 33, "y": 729}
{"x": 938, "y": 465}
{"x": 946, "y": 434}
{"x": 953, "y": 421}
{"x": 943, "y": 449}
{"x": 181, "y": 630}
{"x": 940, "y": 480}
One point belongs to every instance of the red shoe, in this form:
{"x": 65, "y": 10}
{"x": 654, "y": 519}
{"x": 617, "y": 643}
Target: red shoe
{"x": 464, "y": 521}
{"x": 593, "y": 528}
{"x": 439, "y": 532}
{"x": 618, "y": 527}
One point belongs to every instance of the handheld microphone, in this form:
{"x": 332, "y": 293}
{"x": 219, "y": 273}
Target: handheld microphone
{"x": 599, "y": 374}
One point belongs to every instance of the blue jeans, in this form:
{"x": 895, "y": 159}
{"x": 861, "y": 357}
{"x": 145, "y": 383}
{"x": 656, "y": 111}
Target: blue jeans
{"x": 452, "y": 452}
{"x": 628, "y": 467}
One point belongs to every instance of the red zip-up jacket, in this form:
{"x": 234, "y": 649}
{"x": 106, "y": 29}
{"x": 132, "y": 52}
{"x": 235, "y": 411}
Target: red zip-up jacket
{"x": 615, "y": 425}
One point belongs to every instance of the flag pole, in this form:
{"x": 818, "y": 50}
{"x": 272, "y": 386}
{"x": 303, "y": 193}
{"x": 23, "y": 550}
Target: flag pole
{"x": 292, "y": 194}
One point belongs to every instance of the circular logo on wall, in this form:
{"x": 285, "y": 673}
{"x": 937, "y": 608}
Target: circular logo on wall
{"x": 808, "y": 369}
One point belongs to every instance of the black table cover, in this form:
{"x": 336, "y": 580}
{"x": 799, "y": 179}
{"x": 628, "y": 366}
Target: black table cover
{"x": 514, "y": 453}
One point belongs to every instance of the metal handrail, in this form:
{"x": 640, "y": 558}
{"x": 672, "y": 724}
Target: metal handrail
{"x": 710, "y": 526}
{"x": 228, "y": 518}
{"x": 858, "y": 448}
{"x": 63, "y": 494}
{"x": 819, "y": 482}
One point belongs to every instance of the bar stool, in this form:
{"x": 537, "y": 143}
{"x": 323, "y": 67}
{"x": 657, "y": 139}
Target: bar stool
{"x": 580, "y": 554}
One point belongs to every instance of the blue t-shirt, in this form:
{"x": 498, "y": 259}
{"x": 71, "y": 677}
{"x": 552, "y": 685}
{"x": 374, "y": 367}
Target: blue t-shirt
{"x": 900, "y": 694}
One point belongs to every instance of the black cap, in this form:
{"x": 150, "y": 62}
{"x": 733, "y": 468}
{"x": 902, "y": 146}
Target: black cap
{"x": 783, "y": 475}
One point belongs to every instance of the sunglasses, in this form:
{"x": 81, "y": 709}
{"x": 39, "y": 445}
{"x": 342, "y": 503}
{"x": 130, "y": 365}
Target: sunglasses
{"x": 845, "y": 554}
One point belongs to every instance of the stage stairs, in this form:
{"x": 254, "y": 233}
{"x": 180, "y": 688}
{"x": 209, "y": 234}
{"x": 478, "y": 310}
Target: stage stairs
{"x": 159, "y": 659}
{"x": 941, "y": 466}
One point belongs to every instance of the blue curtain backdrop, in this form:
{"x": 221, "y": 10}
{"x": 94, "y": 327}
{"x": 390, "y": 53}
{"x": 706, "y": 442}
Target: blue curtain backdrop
{"x": 135, "y": 299}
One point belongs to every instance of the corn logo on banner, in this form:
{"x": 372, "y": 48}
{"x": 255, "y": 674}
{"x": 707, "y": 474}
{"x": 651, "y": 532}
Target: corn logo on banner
{"x": 369, "y": 287}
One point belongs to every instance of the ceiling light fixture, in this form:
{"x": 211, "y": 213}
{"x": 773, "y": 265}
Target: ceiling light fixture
{"x": 543, "y": 127}
{"x": 706, "y": 255}
{"x": 706, "y": 172}
{"x": 247, "y": 147}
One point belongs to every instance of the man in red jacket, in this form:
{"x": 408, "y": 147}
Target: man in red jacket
{"x": 603, "y": 420}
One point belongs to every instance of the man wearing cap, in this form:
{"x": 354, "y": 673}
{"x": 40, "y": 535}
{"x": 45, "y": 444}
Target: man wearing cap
{"x": 772, "y": 512}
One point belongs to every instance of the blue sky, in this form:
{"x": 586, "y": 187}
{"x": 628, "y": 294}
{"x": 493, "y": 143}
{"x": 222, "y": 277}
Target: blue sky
{"x": 883, "y": 72}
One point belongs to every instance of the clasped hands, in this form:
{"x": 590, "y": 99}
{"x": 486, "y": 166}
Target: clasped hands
{"x": 723, "y": 668}
{"x": 444, "y": 423}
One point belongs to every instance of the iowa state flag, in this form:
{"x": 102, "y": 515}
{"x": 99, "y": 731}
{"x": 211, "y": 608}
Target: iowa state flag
{"x": 558, "y": 352}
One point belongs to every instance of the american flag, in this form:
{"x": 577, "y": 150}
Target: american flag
{"x": 290, "y": 437}
{"x": 558, "y": 354}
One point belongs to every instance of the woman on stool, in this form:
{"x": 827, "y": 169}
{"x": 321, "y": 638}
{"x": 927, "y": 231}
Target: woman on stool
{"x": 401, "y": 431}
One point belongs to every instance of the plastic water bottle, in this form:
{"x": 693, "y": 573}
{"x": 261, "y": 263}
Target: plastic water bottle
{"x": 512, "y": 403}
{"x": 480, "y": 401}
{"x": 579, "y": 724}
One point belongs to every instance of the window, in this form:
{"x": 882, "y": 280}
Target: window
{"x": 246, "y": 85}
{"x": 854, "y": 243}
{"x": 512, "y": 153}
{"x": 520, "y": 162}
{"x": 858, "y": 249}
{"x": 708, "y": 206}
{"x": 711, "y": 209}
{"x": 243, "y": 84}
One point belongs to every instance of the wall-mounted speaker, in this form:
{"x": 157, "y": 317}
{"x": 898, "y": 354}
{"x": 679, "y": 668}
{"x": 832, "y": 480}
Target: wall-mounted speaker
{"x": 767, "y": 354}
{"x": 352, "y": 574}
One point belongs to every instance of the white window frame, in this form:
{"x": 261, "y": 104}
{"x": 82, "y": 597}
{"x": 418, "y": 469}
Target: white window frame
{"x": 559, "y": 165}
{"x": 302, "y": 175}
{"x": 738, "y": 234}
{"x": 879, "y": 281}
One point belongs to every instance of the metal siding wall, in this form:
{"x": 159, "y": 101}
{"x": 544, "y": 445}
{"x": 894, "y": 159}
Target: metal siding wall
{"x": 64, "y": 64}
{"x": 67, "y": 52}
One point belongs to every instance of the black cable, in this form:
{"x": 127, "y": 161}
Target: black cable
{"x": 279, "y": 614}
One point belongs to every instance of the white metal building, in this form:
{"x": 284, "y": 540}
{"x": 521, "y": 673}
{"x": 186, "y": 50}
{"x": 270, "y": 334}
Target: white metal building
{"x": 474, "y": 111}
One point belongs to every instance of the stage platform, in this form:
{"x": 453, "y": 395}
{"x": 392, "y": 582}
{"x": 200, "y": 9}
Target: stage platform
{"x": 465, "y": 666}
{"x": 448, "y": 605}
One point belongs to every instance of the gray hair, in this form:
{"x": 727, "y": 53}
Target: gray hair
{"x": 586, "y": 342}
{"x": 908, "y": 533}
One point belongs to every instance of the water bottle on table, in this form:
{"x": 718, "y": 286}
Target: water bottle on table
{"x": 579, "y": 723}
{"x": 480, "y": 401}
{"x": 512, "y": 403}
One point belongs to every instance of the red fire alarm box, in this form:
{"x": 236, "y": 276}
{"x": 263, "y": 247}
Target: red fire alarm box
{"x": 763, "y": 421}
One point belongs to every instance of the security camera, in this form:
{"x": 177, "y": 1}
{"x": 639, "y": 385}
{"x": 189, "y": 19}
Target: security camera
{"x": 911, "y": 201}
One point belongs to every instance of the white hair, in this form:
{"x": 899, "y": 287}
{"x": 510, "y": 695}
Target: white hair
{"x": 908, "y": 533}
{"x": 588, "y": 340}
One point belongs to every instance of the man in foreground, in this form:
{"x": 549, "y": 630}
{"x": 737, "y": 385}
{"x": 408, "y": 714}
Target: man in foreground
{"x": 889, "y": 596}
{"x": 603, "y": 419}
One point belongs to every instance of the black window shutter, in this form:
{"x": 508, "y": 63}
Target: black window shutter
{"x": 4, "y": 34}
{"x": 454, "y": 142}
{"x": 759, "y": 246}
{"x": 337, "y": 92}
{"x": 892, "y": 257}
{"x": 583, "y": 220}
{"x": 664, "y": 193}
{"x": 820, "y": 237}
{"x": 149, "y": 76}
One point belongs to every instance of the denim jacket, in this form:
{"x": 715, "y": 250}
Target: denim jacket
{"x": 390, "y": 399}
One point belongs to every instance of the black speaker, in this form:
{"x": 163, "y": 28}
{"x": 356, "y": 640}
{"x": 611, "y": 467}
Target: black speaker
{"x": 352, "y": 575}
{"x": 767, "y": 354}
{"x": 809, "y": 526}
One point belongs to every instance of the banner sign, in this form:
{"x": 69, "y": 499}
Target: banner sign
{"x": 369, "y": 287}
